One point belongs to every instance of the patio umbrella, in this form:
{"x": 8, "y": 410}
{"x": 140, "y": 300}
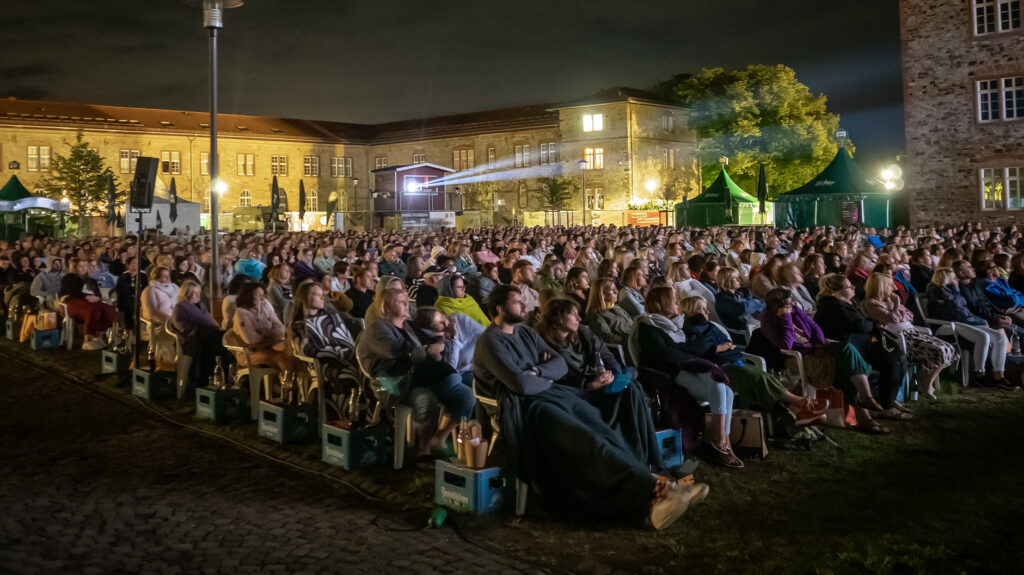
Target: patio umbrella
{"x": 111, "y": 200}
{"x": 762, "y": 187}
{"x": 302, "y": 200}
{"x": 172, "y": 198}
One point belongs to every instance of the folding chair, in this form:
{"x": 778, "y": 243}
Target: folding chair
{"x": 522, "y": 489}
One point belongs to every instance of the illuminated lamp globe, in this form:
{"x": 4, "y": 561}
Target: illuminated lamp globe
{"x": 650, "y": 185}
{"x": 887, "y": 174}
{"x": 221, "y": 186}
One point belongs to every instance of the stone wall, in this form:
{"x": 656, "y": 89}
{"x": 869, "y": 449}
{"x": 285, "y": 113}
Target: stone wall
{"x": 946, "y": 144}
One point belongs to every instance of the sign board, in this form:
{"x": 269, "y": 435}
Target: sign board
{"x": 442, "y": 219}
{"x": 643, "y": 218}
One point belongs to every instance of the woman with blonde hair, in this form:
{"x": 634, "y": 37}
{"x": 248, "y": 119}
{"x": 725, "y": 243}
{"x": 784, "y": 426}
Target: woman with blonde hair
{"x": 945, "y": 302}
{"x": 930, "y": 354}
{"x": 604, "y": 317}
{"x": 385, "y": 283}
{"x": 201, "y": 336}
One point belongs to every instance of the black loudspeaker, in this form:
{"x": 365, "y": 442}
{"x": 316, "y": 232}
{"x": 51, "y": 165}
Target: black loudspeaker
{"x": 143, "y": 183}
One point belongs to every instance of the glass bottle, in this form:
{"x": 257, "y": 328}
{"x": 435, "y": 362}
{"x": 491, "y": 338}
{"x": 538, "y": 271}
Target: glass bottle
{"x": 218, "y": 375}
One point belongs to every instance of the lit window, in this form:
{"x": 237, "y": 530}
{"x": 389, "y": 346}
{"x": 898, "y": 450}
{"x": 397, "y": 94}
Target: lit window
{"x": 245, "y": 199}
{"x": 278, "y": 165}
{"x": 170, "y": 162}
{"x": 595, "y": 198}
{"x": 594, "y": 158}
{"x": 206, "y": 201}
{"x": 419, "y": 158}
{"x": 341, "y": 167}
{"x": 593, "y": 122}
{"x": 33, "y": 158}
{"x": 128, "y": 159}
{"x": 246, "y": 164}
{"x": 311, "y": 166}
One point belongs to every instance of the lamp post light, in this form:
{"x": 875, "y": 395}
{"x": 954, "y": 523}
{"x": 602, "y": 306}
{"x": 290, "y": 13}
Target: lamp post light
{"x": 583, "y": 170}
{"x": 213, "y": 20}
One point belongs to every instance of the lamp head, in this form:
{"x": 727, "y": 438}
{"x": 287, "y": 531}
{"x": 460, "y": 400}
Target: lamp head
{"x": 221, "y": 186}
{"x": 355, "y": 182}
{"x": 213, "y": 11}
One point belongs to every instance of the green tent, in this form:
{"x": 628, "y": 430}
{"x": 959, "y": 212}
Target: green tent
{"x": 843, "y": 193}
{"x": 723, "y": 202}
{"x": 13, "y": 191}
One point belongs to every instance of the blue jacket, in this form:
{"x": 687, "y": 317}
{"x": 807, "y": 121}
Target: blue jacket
{"x": 734, "y": 308}
{"x": 1001, "y": 294}
{"x": 948, "y": 304}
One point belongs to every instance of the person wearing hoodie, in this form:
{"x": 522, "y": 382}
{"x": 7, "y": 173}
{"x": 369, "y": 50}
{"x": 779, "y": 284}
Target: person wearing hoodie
{"x": 46, "y": 285}
{"x": 249, "y": 266}
{"x": 452, "y": 299}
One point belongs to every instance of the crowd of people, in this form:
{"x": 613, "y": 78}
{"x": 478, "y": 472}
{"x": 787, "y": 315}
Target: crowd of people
{"x": 547, "y": 322}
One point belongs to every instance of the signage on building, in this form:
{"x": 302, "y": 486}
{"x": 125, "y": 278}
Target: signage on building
{"x": 14, "y": 166}
{"x": 643, "y": 218}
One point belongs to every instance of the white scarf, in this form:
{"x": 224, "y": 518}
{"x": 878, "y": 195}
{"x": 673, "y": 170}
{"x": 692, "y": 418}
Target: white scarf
{"x": 672, "y": 327}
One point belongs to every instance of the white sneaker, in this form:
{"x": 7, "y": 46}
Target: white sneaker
{"x": 674, "y": 502}
{"x": 94, "y": 344}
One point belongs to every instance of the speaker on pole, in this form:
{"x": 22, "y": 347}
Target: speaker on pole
{"x": 143, "y": 183}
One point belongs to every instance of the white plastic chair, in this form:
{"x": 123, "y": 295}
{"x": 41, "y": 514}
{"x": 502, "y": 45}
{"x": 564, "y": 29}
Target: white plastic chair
{"x": 182, "y": 362}
{"x": 965, "y": 360}
{"x": 403, "y": 421}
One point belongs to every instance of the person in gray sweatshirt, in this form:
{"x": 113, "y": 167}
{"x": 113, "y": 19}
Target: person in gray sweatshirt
{"x": 47, "y": 284}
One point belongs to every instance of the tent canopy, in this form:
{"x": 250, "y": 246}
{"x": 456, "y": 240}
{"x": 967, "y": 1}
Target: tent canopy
{"x": 843, "y": 193}
{"x": 13, "y": 191}
{"x": 723, "y": 202}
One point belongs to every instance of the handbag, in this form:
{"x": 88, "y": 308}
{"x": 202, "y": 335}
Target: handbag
{"x": 838, "y": 414}
{"x": 28, "y": 327}
{"x": 46, "y": 320}
{"x": 747, "y": 432}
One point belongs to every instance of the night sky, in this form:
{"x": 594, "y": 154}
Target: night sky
{"x": 385, "y": 60}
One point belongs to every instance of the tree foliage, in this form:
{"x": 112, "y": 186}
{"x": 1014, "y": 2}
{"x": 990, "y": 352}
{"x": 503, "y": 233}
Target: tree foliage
{"x": 556, "y": 191}
{"x": 758, "y": 114}
{"x": 81, "y": 176}
{"x": 671, "y": 184}
{"x": 479, "y": 195}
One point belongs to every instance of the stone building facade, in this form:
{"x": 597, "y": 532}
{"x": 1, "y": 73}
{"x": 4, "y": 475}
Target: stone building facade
{"x": 963, "y": 76}
{"x": 504, "y": 152}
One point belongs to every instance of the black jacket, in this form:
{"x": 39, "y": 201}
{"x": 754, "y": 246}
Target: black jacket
{"x": 977, "y": 301}
{"x": 920, "y": 277}
{"x": 659, "y": 351}
{"x": 842, "y": 321}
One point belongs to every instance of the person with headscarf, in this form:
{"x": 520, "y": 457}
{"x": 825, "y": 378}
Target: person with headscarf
{"x": 46, "y": 284}
{"x": 452, "y": 298}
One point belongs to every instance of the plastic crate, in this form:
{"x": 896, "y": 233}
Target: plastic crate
{"x": 670, "y": 441}
{"x": 113, "y": 362}
{"x": 45, "y": 339}
{"x": 10, "y": 332}
{"x": 460, "y": 488}
{"x": 156, "y": 386}
{"x": 354, "y": 448}
{"x": 222, "y": 405}
{"x": 287, "y": 423}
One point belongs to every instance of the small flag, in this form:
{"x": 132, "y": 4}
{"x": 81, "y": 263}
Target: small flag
{"x": 159, "y": 221}
{"x": 172, "y": 198}
{"x": 302, "y": 200}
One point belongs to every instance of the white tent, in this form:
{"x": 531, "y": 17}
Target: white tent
{"x": 188, "y": 214}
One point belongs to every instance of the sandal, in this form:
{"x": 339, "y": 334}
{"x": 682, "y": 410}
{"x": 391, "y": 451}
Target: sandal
{"x": 872, "y": 428}
{"x": 870, "y": 404}
{"x": 726, "y": 459}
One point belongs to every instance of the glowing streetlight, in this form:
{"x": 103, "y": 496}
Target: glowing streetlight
{"x": 651, "y": 185}
{"x": 888, "y": 174}
{"x": 220, "y": 187}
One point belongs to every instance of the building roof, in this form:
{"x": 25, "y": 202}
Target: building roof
{"x": 92, "y": 116}
{"x": 405, "y": 167}
{"x": 619, "y": 94}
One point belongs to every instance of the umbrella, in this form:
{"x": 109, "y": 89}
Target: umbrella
{"x": 332, "y": 204}
{"x": 172, "y": 198}
{"x": 111, "y": 199}
{"x": 762, "y": 187}
{"x": 302, "y": 200}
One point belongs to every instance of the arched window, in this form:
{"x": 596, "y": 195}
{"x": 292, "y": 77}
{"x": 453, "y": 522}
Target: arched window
{"x": 524, "y": 196}
{"x": 245, "y": 199}
{"x": 311, "y": 201}
{"x": 206, "y": 201}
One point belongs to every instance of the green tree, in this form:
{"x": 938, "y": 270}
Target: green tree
{"x": 81, "y": 176}
{"x": 557, "y": 191}
{"x": 670, "y": 184}
{"x": 758, "y": 114}
{"x": 480, "y": 194}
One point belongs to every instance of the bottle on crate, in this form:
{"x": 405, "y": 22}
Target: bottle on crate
{"x": 461, "y": 437}
{"x": 1015, "y": 344}
{"x": 218, "y": 375}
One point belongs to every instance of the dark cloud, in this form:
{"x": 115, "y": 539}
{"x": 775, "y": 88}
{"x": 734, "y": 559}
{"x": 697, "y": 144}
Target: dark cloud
{"x": 399, "y": 59}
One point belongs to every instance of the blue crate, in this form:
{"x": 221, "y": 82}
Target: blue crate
{"x": 460, "y": 488}
{"x": 155, "y": 386}
{"x": 670, "y": 441}
{"x": 113, "y": 362}
{"x": 222, "y": 405}
{"x": 354, "y": 448}
{"x": 45, "y": 339}
{"x": 12, "y": 334}
{"x": 287, "y": 423}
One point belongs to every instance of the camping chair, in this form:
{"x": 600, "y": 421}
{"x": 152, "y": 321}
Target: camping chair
{"x": 254, "y": 374}
{"x": 522, "y": 489}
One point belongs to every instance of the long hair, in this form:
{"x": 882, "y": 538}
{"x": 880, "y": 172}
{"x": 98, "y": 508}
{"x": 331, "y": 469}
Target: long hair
{"x": 187, "y": 287}
{"x": 659, "y": 300}
{"x": 553, "y": 321}
{"x": 597, "y": 303}
{"x": 829, "y": 284}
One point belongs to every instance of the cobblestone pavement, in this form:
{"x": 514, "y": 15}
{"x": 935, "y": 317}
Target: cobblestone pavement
{"x": 88, "y": 485}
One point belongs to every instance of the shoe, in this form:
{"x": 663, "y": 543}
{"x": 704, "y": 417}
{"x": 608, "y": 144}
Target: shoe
{"x": 1005, "y": 384}
{"x": 985, "y": 380}
{"x": 816, "y": 405}
{"x": 726, "y": 458}
{"x": 94, "y": 344}
{"x": 807, "y": 417}
{"x": 872, "y": 428}
{"x": 902, "y": 407}
{"x": 869, "y": 403}
{"x": 674, "y": 500}
{"x": 683, "y": 470}
{"x": 893, "y": 413}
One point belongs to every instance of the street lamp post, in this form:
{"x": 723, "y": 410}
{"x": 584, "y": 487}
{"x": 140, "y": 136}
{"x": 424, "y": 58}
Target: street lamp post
{"x": 213, "y": 20}
{"x": 65, "y": 204}
{"x": 583, "y": 170}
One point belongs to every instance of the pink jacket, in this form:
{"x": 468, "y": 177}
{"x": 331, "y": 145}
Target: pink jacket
{"x": 886, "y": 312}
{"x": 258, "y": 328}
{"x": 158, "y": 301}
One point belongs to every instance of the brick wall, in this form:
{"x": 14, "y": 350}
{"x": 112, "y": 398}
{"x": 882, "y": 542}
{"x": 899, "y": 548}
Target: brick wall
{"x": 946, "y": 144}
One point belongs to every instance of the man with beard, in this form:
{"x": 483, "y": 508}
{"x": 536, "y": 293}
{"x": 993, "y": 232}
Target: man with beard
{"x": 556, "y": 441}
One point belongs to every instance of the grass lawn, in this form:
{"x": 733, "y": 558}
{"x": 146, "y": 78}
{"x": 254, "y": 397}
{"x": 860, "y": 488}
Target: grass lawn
{"x": 941, "y": 494}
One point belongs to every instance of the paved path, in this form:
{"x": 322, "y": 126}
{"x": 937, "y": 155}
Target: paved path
{"x": 88, "y": 485}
